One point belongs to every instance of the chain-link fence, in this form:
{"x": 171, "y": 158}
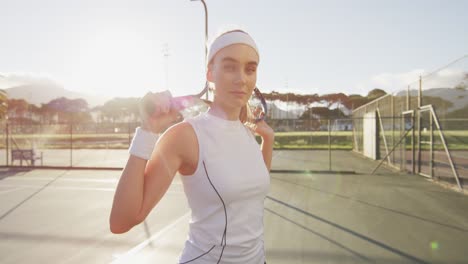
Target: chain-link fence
{"x": 423, "y": 128}
{"x": 300, "y": 144}
{"x": 66, "y": 145}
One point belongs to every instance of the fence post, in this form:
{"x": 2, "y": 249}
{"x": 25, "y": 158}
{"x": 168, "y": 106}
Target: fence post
{"x": 419, "y": 123}
{"x": 392, "y": 103}
{"x": 407, "y": 99}
{"x": 432, "y": 144}
{"x": 420, "y": 101}
{"x": 329, "y": 146}
{"x": 129, "y": 133}
{"x": 71, "y": 144}
{"x": 7, "y": 144}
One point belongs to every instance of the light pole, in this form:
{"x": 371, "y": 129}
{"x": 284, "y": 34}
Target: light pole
{"x": 206, "y": 90}
{"x": 206, "y": 25}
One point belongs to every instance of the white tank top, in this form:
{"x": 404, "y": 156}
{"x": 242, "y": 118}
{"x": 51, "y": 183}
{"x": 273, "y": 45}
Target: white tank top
{"x": 226, "y": 195}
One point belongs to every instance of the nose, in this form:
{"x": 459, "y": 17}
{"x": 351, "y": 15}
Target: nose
{"x": 241, "y": 78}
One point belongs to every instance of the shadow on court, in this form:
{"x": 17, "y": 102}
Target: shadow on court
{"x": 61, "y": 216}
{"x": 5, "y": 173}
{"x": 342, "y": 228}
{"x": 30, "y": 196}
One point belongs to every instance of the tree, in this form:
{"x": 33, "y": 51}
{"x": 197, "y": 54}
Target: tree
{"x": 68, "y": 110}
{"x": 292, "y": 97}
{"x": 120, "y": 108}
{"x": 18, "y": 107}
{"x": 376, "y": 93}
{"x": 322, "y": 113}
{"x": 63, "y": 104}
{"x": 3, "y": 104}
{"x": 46, "y": 114}
{"x": 356, "y": 100}
{"x": 463, "y": 83}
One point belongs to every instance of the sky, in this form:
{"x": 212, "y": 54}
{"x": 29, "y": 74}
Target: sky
{"x": 129, "y": 47}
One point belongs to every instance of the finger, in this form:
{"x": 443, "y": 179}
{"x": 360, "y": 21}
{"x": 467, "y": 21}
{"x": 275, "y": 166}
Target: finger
{"x": 251, "y": 126}
{"x": 164, "y": 100}
{"x": 164, "y": 108}
{"x": 174, "y": 114}
{"x": 167, "y": 93}
{"x": 147, "y": 104}
{"x": 258, "y": 110}
{"x": 255, "y": 111}
{"x": 180, "y": 117}
{"x": 168, "y": 119}
{"x": 157, "y": 111}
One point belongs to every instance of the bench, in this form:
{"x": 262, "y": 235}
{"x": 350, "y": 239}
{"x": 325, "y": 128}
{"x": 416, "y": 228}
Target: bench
{"x": 25, "y": 154}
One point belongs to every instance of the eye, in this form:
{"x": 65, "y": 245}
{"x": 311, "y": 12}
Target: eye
{"x": 229, "y": 67}
{"x": 251, "y": 70}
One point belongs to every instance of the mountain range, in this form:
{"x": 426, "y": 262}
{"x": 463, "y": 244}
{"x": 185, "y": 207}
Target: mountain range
{"x": 458, "y": 97}
{"x": 41, "y": 94}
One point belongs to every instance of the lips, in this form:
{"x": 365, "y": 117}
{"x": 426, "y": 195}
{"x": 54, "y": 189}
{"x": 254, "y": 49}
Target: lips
{"x": 238, "y": 93}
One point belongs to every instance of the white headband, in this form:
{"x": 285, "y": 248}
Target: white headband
{"x": 230, "y": 38}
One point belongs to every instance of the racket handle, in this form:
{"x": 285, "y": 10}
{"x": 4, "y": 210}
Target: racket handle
{"x": 181, "y": 102}
{"x": 178, "y": 103}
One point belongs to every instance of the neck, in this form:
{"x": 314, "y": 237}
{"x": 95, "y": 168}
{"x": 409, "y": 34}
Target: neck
{"x": 224, "y": 112}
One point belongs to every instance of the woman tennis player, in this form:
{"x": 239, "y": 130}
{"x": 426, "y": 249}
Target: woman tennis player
{"x": 225, "y": 173}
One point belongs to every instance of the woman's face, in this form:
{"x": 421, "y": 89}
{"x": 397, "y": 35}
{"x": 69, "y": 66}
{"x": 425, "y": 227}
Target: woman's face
{"x": 233, "y": 70}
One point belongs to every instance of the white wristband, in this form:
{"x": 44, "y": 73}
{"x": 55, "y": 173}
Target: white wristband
{"x": 143, "y": 143}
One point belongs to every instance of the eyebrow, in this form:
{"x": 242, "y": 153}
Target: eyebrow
{"x": 230, "y": 59}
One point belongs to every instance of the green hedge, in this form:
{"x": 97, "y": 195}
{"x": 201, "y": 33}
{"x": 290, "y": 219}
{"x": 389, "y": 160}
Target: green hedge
{"x": 282, "y": 141}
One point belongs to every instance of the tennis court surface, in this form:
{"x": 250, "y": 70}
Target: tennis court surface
{"x": 61, "y": 216}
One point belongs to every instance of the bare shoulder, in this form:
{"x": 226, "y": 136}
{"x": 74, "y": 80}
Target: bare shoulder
{"x": 179, "y": 134}
{"x": 181, "y": 140}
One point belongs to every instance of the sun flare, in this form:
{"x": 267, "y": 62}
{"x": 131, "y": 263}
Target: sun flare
{"x": 119, "y": 63}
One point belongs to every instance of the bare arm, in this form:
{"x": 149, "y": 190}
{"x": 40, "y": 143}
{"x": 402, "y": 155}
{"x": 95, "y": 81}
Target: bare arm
{"x": 143, "y": 184}
{"x": 128, "y": 196}
{"x": 268, "y": 140}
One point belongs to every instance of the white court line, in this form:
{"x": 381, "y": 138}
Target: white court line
{"x": 62, "y": 179}
{"x": 71, "y": 179}
{"x": 126, "y": 256}
{"x": 70, "y": 188}
{"x": 12, "y": 190}
{"x": 60, "y": 187}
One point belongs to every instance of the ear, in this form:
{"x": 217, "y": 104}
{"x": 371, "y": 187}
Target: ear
{"x": 209, "y": 72}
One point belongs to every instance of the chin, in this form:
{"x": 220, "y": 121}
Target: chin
{"x": 236, "y": 105}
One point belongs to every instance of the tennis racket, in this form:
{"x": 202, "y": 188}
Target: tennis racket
{"x": 191, "y": 105}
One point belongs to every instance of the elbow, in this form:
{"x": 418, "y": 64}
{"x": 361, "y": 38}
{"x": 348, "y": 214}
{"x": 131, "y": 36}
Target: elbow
{"x": 119, "y": 229}
{"x": 118, "y": 226}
